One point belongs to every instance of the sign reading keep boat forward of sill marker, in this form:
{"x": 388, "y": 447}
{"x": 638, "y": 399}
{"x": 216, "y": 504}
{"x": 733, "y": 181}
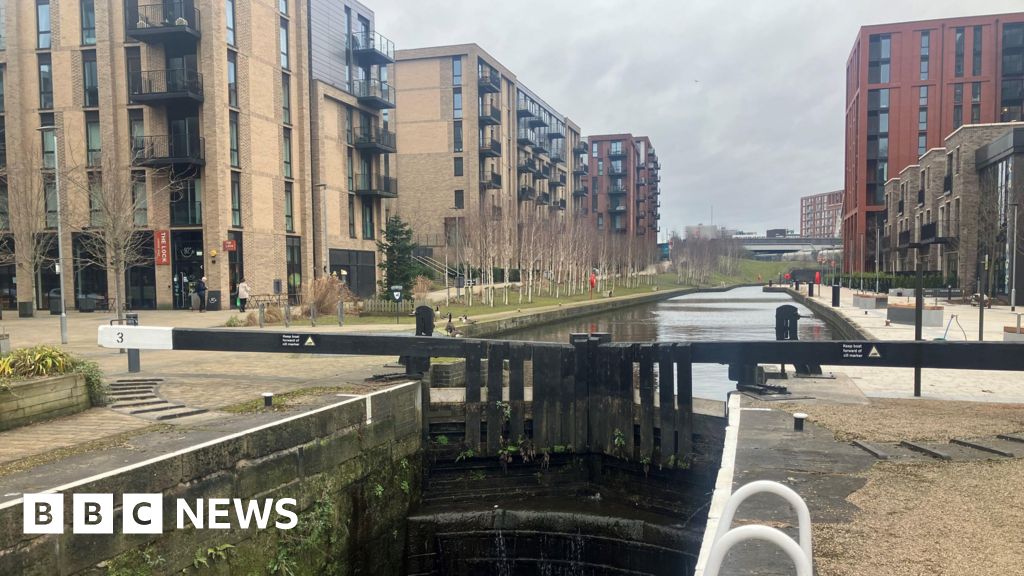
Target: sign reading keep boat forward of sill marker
{"x": 136, "y": 337}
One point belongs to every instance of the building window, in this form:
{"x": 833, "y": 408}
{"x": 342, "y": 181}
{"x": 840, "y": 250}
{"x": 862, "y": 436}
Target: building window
{"x": 45, "y": 82}
{"x": 282, "y": 5}
{"x": 922, "y": 119}
{"x": 286, "y": 97}
{"x": 925, "y": 50}
{"x": 187, "y": 203}
{"x": 3, "y": 72}
{"x": 879, "y": 55}
{"x": 457, "y": 103}
{"x": 975, "y": 102}
{"x": 43, "y": 24}
{"x": 287, "y": 153}
{"x": 95, "y": 200}
{"x": 90, "y": 79}
{"x": 976, "y": 52}
{"x": 922, "y": 144}
{"x": 232, "y": 79}
{"x": 1011, "y": 105}
{"x": 600, "y": 167}
{"x": 456, "y": 71}
{"x": 283, "y": 43}
{"x": 958, "y": 62}
{"x": 88, "y": 23}
{"x": 457, "y": 135}
{"x": 50, "y": 199}
{"x": 600, "y": 221}
{"x": 293, "y": 267}
{"x": 49, "y": 143}
{"x": 460, "y": 199}
{"x": 94, "y": 152}
{"x": 289, "y": 214}
{"x": 368, "y": 231}
{"x": 593, "y": 150}
{"x": 958, "y": 105}
{"x": 5, "y": 211}
{"x": 351, "y": 216}
{"x": 236, "y": 199}
{"x": 233, "y": 137}
{"x": 349, "y": 167}
{"x": 137, "y": 132}
{"x": 3, "y": 26}
{"x": 229, "y": 13}
{"x": 922, "y": 96}
{"x": 458, "y": 166}
{"x": 140, "y": 200}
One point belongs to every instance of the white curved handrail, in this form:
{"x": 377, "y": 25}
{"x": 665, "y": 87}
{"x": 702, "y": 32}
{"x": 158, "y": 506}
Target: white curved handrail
{"x": 802, "y": 513}
{"x": 772, "y": 535}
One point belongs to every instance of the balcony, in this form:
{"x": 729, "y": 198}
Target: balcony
{"x": 166, "y": 22}
{"x": 617, "y": 209}
{"x": 655, "y": 178}
{"x": 580, "y": 148}
{"x": 620, "y": 229}
{"x": 580, "y": 191}
{"x": 557, "y": 157}
{"x": 538, "y": 121}
{"x": 616, "y": 153}
{"x": 372, "y": 49}
{"x": 903, "y": 240}
{"x": 616, "y": 190}
{"x": 528, "y": 166}
{"x": 524, "y": 109}
{"x": 490, "y": 147}
{"x": 544, "y": 173}
{"x": 370, "y": 185}
{"x": 166, "y": 87}
{"x": 539, "y": 147}
{"x": 556, "y": 131}
{"x": 557, "y": 182}
{"x": 374, "y": 93}
{"x": 561, "y": 204}
{"x": 543, "y": 199}
{"x": 616, "y": 171}
{"x": 489, "y": 81}
{"x": 490, "y": 181}
{"x": 641, "y": 181}
{"x": 169, "y": 151}
{"x": 376, "y": 140}
{"x": 527, "y": 192}
{"x": 581, "y": 170}
{"x": 525, "y": 137}
{"x": 490, "y": 116}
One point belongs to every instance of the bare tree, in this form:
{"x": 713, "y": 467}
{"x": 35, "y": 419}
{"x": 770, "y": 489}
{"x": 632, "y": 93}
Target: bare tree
{"x": 31, "y": 238}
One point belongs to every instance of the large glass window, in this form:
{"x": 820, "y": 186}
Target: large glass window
{"x": 139, "y": 198}
{"x": 458, "y": 166}
{"x": 283, "y": 43}
{"x": 368, "y": 226}
{"x": 460, "y": 199}
{"x": 95, "y": 200}
{"x": 286, "y": 97}
{"x": 43, "y": 24}
{"x": 233, "y": 135}
{"x": 90, "y": 79}
{"x": 49, "y": 146}
{"x": 289, "y": 208}
{"x": 925, "y": 50}
{"x": 976, "y": 52}
{"x": 958, "y": 61}
{"x": 236, "y": 199}
{"x": 457, "y": 135}
{"x": 88, "y": 22}
{"x": 50, "y": 199}
{"x": 187, "y": 203}
{"x": 456, "y": 70}
{"x": 879, "y": 47}
{"x": 958, "y": 108}
{"x": 229, "y": 12}
{"x": 45, "y": 82}
{"x": 93, "y": 144}
{"x": 3, "y": 72}
{"x": 975, "y": 102}
{"x": 282, "y": 5}
{"x": 457, "y": 103}
{"x": 5, "y": 211}
{"x": 286, "y": 153}
{"x": 232, "y": 79}
{"x": 137, "y": 129}
{"x": 293, "y": 263}
{"x": 351, "y": 216}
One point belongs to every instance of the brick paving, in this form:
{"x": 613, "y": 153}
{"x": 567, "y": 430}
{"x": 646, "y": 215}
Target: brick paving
{"x": 43, "y": 437}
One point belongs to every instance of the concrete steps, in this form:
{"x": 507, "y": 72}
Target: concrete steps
{"x": 139, "y": 397}
{"x": 956, "y": 450}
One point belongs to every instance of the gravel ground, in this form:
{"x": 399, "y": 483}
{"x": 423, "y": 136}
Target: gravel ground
{"x": 933, "y": 519}
{"x": 892, "y": 420}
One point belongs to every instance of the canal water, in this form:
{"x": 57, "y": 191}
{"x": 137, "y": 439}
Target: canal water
{"x": 740, "y": 314}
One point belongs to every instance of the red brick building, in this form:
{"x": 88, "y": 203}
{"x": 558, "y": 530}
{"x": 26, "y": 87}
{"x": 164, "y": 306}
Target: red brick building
{"x": 624, "y": 186}
{"x": 908, "y": 86}
{"x": 820, "y": 214}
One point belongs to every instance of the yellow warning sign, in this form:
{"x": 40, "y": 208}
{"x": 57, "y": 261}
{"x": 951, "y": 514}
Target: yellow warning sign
{"x": 874, "y": 353}
{"x": 309, "y": 341}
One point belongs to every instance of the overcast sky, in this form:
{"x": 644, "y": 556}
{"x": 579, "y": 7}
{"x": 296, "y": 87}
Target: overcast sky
{"x": 743, "y": 100}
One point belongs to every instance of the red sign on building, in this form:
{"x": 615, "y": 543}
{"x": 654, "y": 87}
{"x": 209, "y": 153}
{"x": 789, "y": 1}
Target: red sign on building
{"x": 162, "y": 247}
{"x": 230, "y": 245}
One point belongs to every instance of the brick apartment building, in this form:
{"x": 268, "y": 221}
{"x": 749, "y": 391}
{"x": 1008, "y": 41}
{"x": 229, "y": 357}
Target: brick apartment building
{"x": 252, "y": 117}
{"x": 625, "y": 186}
{"x": 820, "y": 214}
{"x": 477, "y": 147}
{"x": 960, "y": 197}
{"x": 908, "y": 86}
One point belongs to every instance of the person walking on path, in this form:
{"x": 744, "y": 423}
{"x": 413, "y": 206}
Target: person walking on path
{"x": 243, "y": 295}
{"x": 201, "y": 290}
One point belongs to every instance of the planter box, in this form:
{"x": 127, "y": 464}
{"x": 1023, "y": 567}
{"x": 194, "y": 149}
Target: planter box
{"x": 1010, "y": 334}
{"x": 904, "y": 314}
{"x": 870, "y": 301}
{"x": 42, "y": 398}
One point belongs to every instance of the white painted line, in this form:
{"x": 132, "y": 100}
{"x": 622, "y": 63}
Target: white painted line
{"x": 723, "y": 485}
{"x": 66, "y": 487}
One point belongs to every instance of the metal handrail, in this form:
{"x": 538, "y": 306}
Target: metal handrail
{"x": 775, "y": 536}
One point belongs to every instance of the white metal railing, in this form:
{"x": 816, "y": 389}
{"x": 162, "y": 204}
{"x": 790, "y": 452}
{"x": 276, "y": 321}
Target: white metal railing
{"x": 725, "y": 538}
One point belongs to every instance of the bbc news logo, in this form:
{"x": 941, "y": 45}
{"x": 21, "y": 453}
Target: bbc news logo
{"x": 144, "y": 513}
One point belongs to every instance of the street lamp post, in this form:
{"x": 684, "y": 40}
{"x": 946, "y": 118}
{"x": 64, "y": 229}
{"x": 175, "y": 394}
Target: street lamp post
{"x": 1013, "y": 270}
{"x": 60, "y": 234}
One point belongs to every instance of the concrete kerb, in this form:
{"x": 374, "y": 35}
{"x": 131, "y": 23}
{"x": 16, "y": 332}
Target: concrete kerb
{"x": 723, "y": 484}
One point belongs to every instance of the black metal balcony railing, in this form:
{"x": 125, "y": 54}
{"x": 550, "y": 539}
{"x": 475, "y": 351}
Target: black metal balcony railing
{"x": 371, "y": 48}
{"x": 580, "y": 190}
{"x": 490, "y": 181}
{"x": 165, "y": 85}
{"x": 525, "y": 137}
{"x": 529, "y": 165}
{"x": 641, "y": 181}
{"x": 544, "y": 198}
{"x": 527, "y": 192}
{"x": 539, "y": 147}
{"x": 376, "y": 139}
{"x": 524, "y": 109}
{"x": 556, "y": 131}
{"x": 162, "y": 22}
{"x": 928, "y": 232}
{"x": 581, "y": 170}
{"x": 580, "y": 148}
{"x": 490, "y": 147}
{"x": 557, "y": 156}
{"x": 168, "y": 151}
{"x": 947, "y": 184}
{"x": 617, "y": 208}
{"x": 489, "y": 81}
{"x": 903, "y": 240}
{"x": 538, "y": 121}
{"x": 374, "y": 93}
{"x": 619, "y": 229}
{"x": 557, "y": 181}
{"x": 616, "y": 190}
{"x": 616, "y": 153}
{"x": 544, "y": 173}
{"x": 617, "y": 171}
{"x": 490, "y": 116}
{"x": 376, "y": 185}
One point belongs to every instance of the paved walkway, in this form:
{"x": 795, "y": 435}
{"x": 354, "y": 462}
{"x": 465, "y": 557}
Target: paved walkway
{"x": 976, "y": 385}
